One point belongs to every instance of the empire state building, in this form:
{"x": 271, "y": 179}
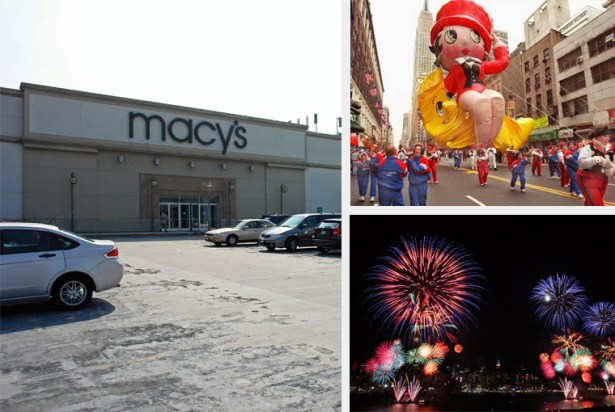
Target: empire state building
{"x": 423, "y": 65}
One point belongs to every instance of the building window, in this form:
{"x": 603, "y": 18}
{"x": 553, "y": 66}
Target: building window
{"x": 569, "y": 60}
{"x": 602, "y": 42}
{"x": 565, "y": 107}
{"x": 573, "y": 83}
{"x": 539, "y": 102}
{"x": 528, "y": 85}
{"x": 575, "y": 106}
{"x": 603, "y": 71}
{"x": 535, "y": 61}
{"x": 529, "y": 106}
{"x": 548, "y": 75}
{"x": 537, "y": 81}
{"x": 527, "y": 66}
{"x": 546, "y": 55}
{"x": 550, "y": 98}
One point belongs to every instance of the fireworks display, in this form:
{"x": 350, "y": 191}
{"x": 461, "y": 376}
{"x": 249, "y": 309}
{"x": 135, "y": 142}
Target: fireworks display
{"x": 426, "y": 288}
{"x": 560, "y": 301}
{"x": 599, "y": 320}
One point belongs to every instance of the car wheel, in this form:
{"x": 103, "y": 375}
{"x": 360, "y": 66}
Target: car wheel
{"x": 323, "y": 250}
{"x": 231, "y": 240}
{"x": 291, "y": 244}
{"x": 271, "y": 248}
{"x": 72, "y": 292}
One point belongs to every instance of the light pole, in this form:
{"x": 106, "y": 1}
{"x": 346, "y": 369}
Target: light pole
{"x": 73, "y": 181}
{"x": 338, "y": 125}
{"x": 283, "y": 189}
{"x": 231, "y": 187}
{"x": 153, "y": 184}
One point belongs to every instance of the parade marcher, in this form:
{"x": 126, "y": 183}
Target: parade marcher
{"x": 595, "y": 167}
{"x": 401, "y": 154}
{"x": 354, "y": 157}
{"x": 571, "y": 157}
{"x": 391, "y": 172}
{"x": 537, "y": 155}
{"x": 457, "y": 159}
{"x": 374, "y": 158}
{"x": 432, "y": 157}
{"x": 518, "y": 171}
{"x": 511, "y": 155}
{"x": 564, "y": 178}
{"x": 482, "y": 164}
{"x": 492, "y": 153}
{"x": 363, "y": 171}
{"x": 472, "y": 154}
{"x": 553, "y": 164}
{"x": 418, "y": 176}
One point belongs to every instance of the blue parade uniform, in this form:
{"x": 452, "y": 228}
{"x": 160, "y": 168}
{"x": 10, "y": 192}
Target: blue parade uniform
{"x": 554, "y": 163}
{"x": 363, "y": 172}
{"x": 518, "y": 171}
{"x": 373, "y": 175}
{"x": 572, "y": 165}
{"x": 418, "y": 176}
{"x": 391, "y": 172}
{"x": 457, "y": 160}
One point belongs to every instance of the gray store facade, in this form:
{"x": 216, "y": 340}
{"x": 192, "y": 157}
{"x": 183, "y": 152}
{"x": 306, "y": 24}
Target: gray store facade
{"x": 96, "y": 163}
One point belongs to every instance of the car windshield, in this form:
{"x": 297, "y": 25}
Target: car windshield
{"x": 241, "y": 224}
{"x": 292, "y": 221}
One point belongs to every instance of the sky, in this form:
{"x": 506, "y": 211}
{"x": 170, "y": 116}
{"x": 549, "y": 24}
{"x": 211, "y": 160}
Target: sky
{"x": 272, "y": 59}
{"x": 514, "y": 254}
{"x": 395, "y": 25}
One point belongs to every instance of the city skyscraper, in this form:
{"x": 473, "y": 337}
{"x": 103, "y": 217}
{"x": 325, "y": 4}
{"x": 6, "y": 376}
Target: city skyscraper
{"x": 423, "y": 65}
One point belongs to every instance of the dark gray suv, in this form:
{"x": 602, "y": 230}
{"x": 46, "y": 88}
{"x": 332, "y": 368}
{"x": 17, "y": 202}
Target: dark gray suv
{"x": 294, "y": 232}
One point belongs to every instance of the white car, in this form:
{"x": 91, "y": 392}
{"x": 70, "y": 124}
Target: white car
{"x": 247, "y": 230}
{"x": 40, "y": 262}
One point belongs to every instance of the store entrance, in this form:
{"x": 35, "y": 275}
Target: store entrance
{"x": 187, "y": 215}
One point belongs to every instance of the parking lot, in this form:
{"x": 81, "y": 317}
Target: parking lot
{"x": 193, "y": 327}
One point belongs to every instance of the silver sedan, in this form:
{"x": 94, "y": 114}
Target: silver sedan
{"x": 247, "y": 230}
{"x": 40, "y": 262}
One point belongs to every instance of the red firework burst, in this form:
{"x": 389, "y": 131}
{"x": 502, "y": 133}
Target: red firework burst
{"x": 426, "y": 288}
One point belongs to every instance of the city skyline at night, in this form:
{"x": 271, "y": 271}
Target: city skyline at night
{"x": 514, "y": 255}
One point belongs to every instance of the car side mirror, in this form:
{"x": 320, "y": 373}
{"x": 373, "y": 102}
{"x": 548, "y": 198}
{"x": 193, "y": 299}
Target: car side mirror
{"x": 303, "y": 225}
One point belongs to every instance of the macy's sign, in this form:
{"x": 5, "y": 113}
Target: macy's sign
{"x": 205, "y": 133}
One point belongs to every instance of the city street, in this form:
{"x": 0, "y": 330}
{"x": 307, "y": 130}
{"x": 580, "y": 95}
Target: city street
{"x": 192, "y": 327}
{"x": 461, "y": 188}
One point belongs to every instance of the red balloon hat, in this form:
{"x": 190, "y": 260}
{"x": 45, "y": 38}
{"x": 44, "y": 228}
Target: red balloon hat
{"x": 464, "y": 13}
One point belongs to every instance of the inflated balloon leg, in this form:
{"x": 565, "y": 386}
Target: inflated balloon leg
{"x": 480, "y": 106}
{"x": 497, "y": 112}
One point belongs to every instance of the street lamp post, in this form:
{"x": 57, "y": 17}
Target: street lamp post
{"x": 283, "y": 189}
{"x": 153, "y": 184}
{"x": 231, "y": 187}
{"x": 73, "y": 181}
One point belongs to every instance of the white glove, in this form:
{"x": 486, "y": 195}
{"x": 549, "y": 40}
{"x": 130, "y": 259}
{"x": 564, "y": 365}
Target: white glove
{"x": 609, "y": 172}
{"x": 607, "y": 163}
{"x": 599, "y": 160}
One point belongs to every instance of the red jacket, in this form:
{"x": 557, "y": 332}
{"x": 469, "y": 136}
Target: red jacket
{"x": 457, "y": 82}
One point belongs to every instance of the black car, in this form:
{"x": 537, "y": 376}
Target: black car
{"x": 328, "y": 235}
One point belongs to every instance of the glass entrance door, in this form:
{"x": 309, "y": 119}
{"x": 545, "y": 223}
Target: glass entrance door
{"x": 190, "y": 216}
{"x": 179, "y": 217}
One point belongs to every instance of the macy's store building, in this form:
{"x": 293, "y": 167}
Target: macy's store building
{"x": 94, "y": 163}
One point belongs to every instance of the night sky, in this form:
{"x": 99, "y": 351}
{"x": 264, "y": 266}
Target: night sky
{"x": 515, "y": 252}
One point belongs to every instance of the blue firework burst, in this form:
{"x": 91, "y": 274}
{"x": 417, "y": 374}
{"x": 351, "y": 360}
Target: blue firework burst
{"x": 560, "y": 301}
{"x": 599, "y": 320}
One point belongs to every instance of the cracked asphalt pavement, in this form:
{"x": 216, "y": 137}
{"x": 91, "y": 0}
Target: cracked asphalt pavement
{"x": 193, "y": 327}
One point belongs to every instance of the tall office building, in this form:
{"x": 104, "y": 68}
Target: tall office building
{"x": 423, "y": 64}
